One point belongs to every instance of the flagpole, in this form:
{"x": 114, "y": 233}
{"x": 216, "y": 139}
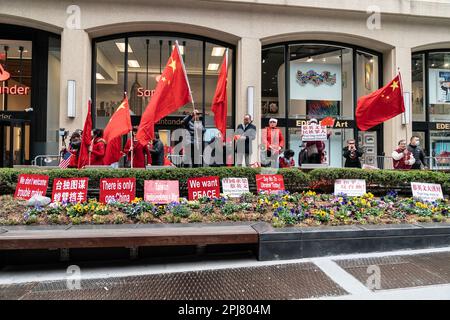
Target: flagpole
{"x": 185, "y": 73}
{"x": 132, "y": 148}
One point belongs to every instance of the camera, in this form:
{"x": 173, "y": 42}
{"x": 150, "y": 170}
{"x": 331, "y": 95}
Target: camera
{"x": 63, "y": 132}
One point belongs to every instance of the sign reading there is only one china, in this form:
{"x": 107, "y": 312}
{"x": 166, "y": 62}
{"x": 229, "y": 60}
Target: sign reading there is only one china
{"x": 161, "y": 191}
{"x": 350, "y": 187}
{"x": 271, "y": 183}
{"x": 427, "y": 191}
{"x": 29, "y": 185}
{"x": 203, "y": 187}
{"x": 235, "y": 187}
{"x": 70, "y": 190}
{"x": 117, "y": 189}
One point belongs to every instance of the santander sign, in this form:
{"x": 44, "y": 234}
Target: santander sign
{"x": 12, "y": 90}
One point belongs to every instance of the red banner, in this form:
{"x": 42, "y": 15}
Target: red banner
{"x": 70, "y": 190}
{"x": 29, "y": 185}
{"x": 271, "y": 183}
{"x": 117, "y": 189}
{"x": 161, "y": 192}
{"x": 203, "y": 187}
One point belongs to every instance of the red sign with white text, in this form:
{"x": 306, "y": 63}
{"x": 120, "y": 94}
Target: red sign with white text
{"x": 117, "y": 190}
{"x": 161, "y": 191}
{"x": 271, "y": 183}
{"x": 203, "y": 187}
{"x": 70, "y": 190}
{"x": 29, "y": 185}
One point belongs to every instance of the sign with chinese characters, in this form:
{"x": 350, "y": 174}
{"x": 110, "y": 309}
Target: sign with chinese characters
{"x": 314, "y": 132}
{"x": 117, "y": 190}
{"x": 203, "y": 187}
{"x": 235, "y": 187}
{"x": 271, "y": 183}
{"x": 70, "y": 190}
{"x": 350, "y": 187}
{"x": 29, "y": 185}
{"x": 161, "y": 191}
{"x": 427, "y": 191}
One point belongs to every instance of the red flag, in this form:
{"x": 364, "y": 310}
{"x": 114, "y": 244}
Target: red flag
{"x": 120, "y": 122}
{"x": 86, "y": 140}
{"x": 172, "y": 92}
{"x": 220, "y": 101}
{"x": 328, "y": 122}
{"x": 113, "y": 151}
{"x": 380, "y": 105}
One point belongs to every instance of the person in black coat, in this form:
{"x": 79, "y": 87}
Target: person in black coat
{"x": 419, "y": 155}
{"x": 352, "y": 154}
{"x": 157, "y": 151}
{"x": 245, "y": 134}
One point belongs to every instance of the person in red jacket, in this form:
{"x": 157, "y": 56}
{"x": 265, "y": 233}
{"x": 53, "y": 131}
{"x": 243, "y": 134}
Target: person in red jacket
{"x": 74, "y": 149}
{"x": 140, "y": 152}
{"x": 403, "y": 158}
{"x": 287, "y": 159}
{"x": 97, "y": 148}
{"x": 273, "y": 140}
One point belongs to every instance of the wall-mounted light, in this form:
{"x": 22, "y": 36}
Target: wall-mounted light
{"x": 71, "y": 98}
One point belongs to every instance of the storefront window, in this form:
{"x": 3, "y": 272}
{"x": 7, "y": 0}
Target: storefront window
{"x": 439, "y": 86}
{"x": 147, "y": 57}
{"x": 440, "y": 149}
{"x": 418, "y": 81}
{"x": 367, "y": 73}
{"x": 273, "y": 79}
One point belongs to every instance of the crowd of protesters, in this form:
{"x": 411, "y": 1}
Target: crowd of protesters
{"x": 404, "y": 157}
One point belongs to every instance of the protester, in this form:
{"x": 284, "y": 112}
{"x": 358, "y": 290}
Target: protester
{"x": 315, "y": 149}
{"x": 303, "y": 154}
{"x": 74, "y": 149}
{"x": 157, "y": 151}
{"x": 245, "y": 133}
{"x": 273, "y": 140}
{"x": 403, "y": 159}
{"x": 196, "y": 131}
{"x": 352, "y": 153}
{"x": 419, "y": 155}
{"x": 287, "y": 159}
{"x": 97, "y": 148}
{"x": 141, "y": 154}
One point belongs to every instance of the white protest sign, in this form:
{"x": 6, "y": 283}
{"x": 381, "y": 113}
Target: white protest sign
{"x": 427, "y": 191}
{"x": 235, "y": 187}
{"x": 350, "y": 187}
{"x": 313, "y": 132}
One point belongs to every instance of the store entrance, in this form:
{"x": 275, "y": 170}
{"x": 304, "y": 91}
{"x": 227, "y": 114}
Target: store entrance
{"x": 14, "y": 142}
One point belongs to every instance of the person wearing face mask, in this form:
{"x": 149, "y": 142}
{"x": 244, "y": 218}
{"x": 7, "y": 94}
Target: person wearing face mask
{"x": 402, "y": 158}
{"x": 273, "y": 140}
{"x": 74, "y": 149}
{"x": 417, "y": 152}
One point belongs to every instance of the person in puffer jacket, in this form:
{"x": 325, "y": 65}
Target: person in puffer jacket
{"x": 403, "y": 159}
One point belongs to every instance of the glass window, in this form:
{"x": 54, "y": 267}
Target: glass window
{"x": 440, "y": 149}
{"x": 439, "y": 86}
{"x": 367, "y": 73}
{"x": 109, "y": 78}
{"x": 320, "y": 82}
{"x": 273, "y": 88}
{"x": 418, "y": 81}
{"x": 15, "y": 75}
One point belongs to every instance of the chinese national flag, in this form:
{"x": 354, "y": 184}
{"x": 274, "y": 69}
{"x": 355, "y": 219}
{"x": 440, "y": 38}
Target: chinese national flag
{"x": 118, "y": 125}
{"x": 172, "y": 92}
{"x": 220, "y": 101}
{"x": 380, "y": 105}
{"x": 86, "y": 140}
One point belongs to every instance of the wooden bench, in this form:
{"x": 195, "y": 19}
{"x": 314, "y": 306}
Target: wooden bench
{"x": 132, "y": 237}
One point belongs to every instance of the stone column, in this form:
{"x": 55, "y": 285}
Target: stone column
{"x": 248, "y": 74}
{"x": 394, "y": 130}
{"x": 75, "y": 65}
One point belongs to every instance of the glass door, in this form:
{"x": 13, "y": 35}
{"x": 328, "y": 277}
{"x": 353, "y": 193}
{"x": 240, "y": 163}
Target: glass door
{"x": 14, "y": 142}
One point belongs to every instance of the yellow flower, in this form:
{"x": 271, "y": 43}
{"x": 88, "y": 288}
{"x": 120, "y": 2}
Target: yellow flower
{"x": 276, "y": 205}
{"x": 284, "y": 203}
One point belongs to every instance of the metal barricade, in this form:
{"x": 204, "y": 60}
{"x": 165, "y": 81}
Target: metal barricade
{"x": 46, "y": 160}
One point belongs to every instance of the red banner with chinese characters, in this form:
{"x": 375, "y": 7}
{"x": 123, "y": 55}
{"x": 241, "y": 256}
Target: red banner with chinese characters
{"x": 29, "y": 185}
{"x": 271, "y": 183}
{"x": 117, "y": 190}
{"x": 70, "y": 190}
{"x": 203, "y": 187}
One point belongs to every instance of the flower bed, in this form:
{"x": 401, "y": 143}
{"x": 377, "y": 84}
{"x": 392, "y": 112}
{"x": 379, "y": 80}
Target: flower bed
{"x": 296, "y": 209}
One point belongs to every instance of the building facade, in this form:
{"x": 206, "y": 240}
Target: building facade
{"x": 289, "y": 59}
